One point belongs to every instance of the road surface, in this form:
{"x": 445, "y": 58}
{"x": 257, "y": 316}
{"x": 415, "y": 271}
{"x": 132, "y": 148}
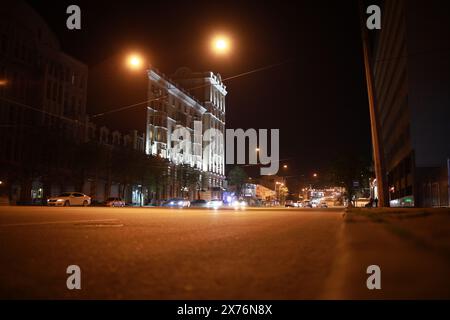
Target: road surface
{"x": 156, "y": 253}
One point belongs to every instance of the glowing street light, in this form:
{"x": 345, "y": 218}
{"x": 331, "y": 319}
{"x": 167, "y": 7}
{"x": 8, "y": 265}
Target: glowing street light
{"x": 315, "y": 175}
{"x": 257, "y": 149}
{"x": 220, "y": 44}
{"x": 3, "y": 82}
{"x": 285, "y": 166}
{"x": 135, "y": 61}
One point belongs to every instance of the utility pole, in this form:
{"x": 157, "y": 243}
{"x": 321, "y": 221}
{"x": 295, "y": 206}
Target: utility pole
{"x": 377, "y": 141}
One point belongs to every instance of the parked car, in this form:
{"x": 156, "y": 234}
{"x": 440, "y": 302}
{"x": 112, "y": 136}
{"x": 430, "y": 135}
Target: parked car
{"x": 114, "y": 202}
{"x": 70, "y": 199}
{"x": 199, "y": 203}
{"x": 177, "y": 203}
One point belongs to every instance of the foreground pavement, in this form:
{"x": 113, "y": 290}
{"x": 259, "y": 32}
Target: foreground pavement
{"x": 155, "y": 253}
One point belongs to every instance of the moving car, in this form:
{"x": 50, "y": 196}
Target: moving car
{"x": 289, "y": 204}
{"x": 322, "y": 204}
{"x": 70, "y": 199}
{"x": 239, "y": 204}
{"x": 114, "y": 202}
{"x": 307, "y": 204}
{"x": 199, "y": 203}
{"x": 215, "y": 203}
{"x": 177, "y": 203}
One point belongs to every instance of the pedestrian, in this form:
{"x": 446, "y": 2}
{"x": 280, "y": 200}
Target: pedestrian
{"x": 376, "y": 202}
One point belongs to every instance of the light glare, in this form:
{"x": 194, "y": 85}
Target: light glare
{"x": 135, "y": 61}
{"x": 221, "y": 45}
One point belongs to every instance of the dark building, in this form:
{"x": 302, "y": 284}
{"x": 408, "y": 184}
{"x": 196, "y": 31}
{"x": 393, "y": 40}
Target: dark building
{"x": 42, "y": 97}
{"x": 411, "y": 65}
{"x": 44, "y": 125}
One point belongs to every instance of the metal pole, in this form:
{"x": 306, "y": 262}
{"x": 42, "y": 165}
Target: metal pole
{"x": 448, "y": 182}
{"x": 377, "y": 142}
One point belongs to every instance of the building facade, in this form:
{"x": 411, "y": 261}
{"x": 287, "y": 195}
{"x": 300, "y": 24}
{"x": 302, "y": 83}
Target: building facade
{"x": 411, "y": 78}
{"x": 194, "y": 103}
{"x": 42, "y": 94}
{"x": 48, "y": 145}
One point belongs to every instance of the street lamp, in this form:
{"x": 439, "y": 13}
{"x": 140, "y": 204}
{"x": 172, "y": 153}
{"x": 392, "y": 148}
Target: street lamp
{"x": 285, "y": 166}
{"x": 220, "y": 44}
{"x": 3, "y": 82}
{"x": 315, "y": 175}
{"x": 135, "y": 61}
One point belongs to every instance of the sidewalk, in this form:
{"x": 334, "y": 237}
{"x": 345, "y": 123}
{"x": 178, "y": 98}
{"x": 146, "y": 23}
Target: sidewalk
{"x": 411, "y": 246}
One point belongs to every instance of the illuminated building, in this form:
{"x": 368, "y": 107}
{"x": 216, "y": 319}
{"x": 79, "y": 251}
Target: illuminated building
{"x": 186, "y": 101}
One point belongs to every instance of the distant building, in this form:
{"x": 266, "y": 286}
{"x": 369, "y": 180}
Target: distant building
{"x": 186, "y": 101}
{"x": 271, "y": 182}
{"x": 411, "y": 64}
{"x": 265, "y": 194}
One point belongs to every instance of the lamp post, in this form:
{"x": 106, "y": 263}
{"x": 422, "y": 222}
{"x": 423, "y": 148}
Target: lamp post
{"x": 377, "y": 142}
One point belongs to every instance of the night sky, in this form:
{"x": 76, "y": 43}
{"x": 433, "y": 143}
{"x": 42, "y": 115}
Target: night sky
{"x": 316, "y": 97}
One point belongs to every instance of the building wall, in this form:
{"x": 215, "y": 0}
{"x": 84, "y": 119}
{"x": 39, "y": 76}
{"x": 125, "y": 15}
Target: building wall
{"x": 412, "y": 77}
{"x": 43, "y": 90}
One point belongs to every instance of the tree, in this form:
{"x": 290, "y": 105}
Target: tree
{"x": 189, "y": 178}
{"x": 351, "y": 172}
{"x": 153, "y": 173}
{"x": 237, "y": 177}
{"x": 90, "y": 158}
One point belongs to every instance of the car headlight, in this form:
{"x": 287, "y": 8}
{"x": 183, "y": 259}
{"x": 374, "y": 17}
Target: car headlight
{"x": 60, "y": 200}
{"x": 180, "y": 203}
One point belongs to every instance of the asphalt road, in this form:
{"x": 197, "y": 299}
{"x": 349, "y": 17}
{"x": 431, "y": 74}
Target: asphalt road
{"x": 154, "y": 253}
